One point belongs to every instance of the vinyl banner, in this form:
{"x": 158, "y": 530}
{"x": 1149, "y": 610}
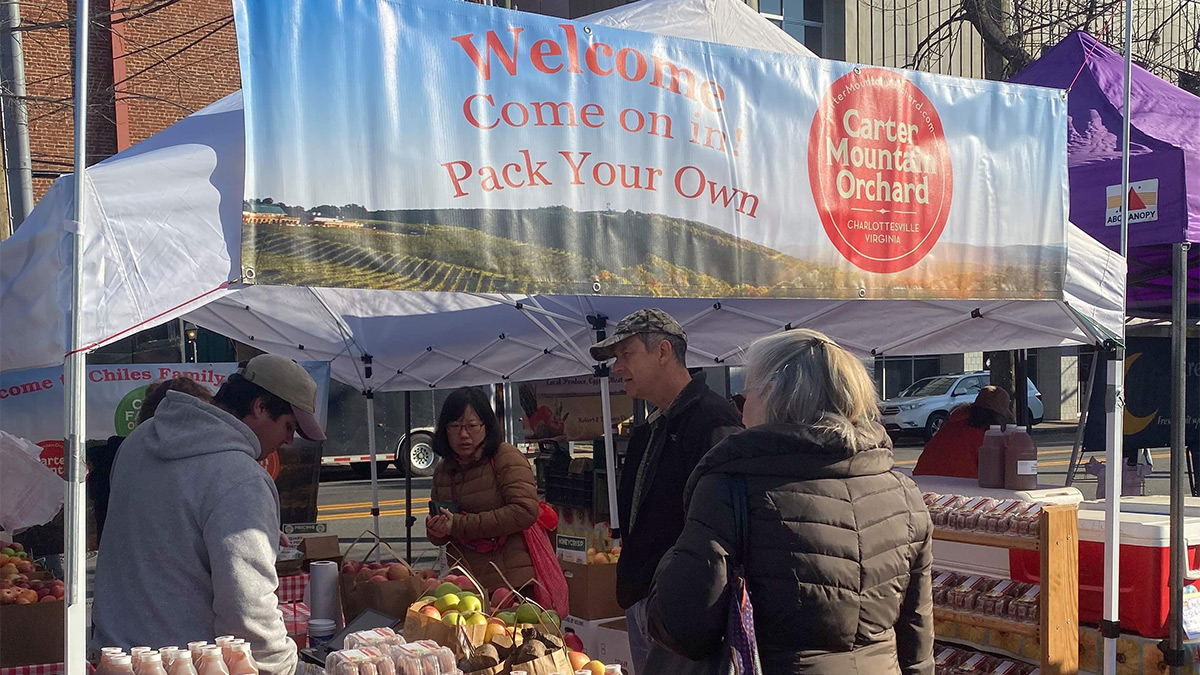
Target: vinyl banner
{"x": 1147, "y": 411}
{"x": 31, "y": 401}
{"x": 448, "y": 146}
{"x": 570, "y": 408}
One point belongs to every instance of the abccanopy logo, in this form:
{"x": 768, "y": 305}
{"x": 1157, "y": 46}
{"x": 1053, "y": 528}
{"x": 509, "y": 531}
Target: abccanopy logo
{"x": 879, "y": 169}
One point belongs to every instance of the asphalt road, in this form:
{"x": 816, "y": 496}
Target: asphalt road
{"x": 344, "y": 500}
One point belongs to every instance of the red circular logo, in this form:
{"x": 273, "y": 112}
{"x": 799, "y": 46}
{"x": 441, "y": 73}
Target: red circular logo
{"x": 54, "y": 457}
{"x": 879, "y": 169}
{"x": 271, "y": 464}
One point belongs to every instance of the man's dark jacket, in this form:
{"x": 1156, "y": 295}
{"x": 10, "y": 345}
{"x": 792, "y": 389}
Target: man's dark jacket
{"x": 696, "y": 421}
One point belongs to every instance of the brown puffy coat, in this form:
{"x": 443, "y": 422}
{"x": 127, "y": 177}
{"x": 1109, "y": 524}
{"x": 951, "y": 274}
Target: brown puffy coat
{"x": 494, "y": 503}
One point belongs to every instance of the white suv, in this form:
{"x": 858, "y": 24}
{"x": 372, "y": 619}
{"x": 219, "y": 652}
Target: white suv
{"x": 925, "y": 405}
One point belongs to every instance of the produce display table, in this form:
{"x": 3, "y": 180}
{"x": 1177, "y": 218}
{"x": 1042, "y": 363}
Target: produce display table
{"x": 292, "y": 587}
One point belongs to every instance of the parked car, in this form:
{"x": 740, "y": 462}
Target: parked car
{"x": 924, "y": 406}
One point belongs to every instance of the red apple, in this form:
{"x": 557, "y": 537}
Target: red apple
{"x": 379, "y": 579}
{"x": 350, "y": 567}
{"x": 398, "y": 572}
{"x": 501, "y": 598}
{"x": 49, "y": 598}
{"x": 431, "y": 611}
{"x": 376, "y": 566}
{"x": 8, "y": 596}
{"x": 570, "y": 639}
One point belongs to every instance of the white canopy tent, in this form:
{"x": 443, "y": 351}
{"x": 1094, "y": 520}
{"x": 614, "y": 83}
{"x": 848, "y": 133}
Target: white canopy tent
{"x": 163, "y": 241}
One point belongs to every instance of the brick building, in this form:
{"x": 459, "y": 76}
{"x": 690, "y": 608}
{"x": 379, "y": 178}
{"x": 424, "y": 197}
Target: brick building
{"x": 151, "y": 63}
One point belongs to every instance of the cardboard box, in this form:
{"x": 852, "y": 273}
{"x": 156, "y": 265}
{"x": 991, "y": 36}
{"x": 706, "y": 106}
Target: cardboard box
{"x": 321, "y": 547}
{"x": 586, "y": 630}
{"x": 593, "y": 590}
{"x": 613, "y": 645}
{"x": 32, "y": 634}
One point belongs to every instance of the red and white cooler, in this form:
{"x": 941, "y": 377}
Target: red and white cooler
{"x": 1145, "y": 562}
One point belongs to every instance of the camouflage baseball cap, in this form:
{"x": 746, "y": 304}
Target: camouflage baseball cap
{"x": 642, "y": 321}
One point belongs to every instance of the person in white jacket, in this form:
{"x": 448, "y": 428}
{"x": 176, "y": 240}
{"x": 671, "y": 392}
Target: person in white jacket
{"x": 193, "y": 523}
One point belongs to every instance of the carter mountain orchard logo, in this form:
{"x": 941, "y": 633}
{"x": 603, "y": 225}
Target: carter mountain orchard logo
{"x": 880, "y": 170}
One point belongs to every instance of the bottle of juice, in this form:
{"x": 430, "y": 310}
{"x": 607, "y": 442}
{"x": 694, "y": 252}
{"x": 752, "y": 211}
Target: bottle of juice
{"x": 183, "y": 665}
{"x": 106, "y": 654}
{"x": 211, "y": 662}
{"x": 121, "y": 664}
{"x": 223, "y": 642}
{"x": 1020, "y": 460}
{"x": 151, "y": 664}
{"x": 242, "y": 662}
{"x": 135, "y": 655}
{"x": 991, "y": 458}
{"x": 196, "y": 649}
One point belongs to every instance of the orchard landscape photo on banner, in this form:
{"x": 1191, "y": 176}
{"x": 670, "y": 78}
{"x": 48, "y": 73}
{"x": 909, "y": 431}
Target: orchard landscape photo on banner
{"x": 456, "y": 147}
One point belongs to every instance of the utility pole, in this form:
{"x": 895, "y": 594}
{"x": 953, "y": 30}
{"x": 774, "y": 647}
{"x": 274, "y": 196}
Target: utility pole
{"x": 17, "y": 161}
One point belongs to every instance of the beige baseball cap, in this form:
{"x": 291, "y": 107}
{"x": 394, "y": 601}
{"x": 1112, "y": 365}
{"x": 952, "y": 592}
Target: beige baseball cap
{"x": 289, "y": 381}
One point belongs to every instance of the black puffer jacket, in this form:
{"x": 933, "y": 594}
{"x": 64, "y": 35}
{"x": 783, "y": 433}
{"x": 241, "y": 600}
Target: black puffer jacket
{"x": 839, "y": 557}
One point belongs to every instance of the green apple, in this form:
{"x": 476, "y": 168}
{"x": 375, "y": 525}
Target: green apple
{"x": 527, "y": 613}
{"x": 446, "y": 603}
{"x": 509, "y": 618}
{"x": 551, "y": 618}
{"x": 453, "y": 619}
{"x": 8, "y": 552}
{"x": 476, "y": 619}
{"x": 445, "y": 589}
{"x": 426, "y": 599}
{"x": 469, "y": 603}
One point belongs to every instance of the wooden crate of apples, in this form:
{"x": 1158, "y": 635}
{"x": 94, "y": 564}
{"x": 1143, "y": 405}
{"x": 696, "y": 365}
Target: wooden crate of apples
{"x": 22, "y": 582}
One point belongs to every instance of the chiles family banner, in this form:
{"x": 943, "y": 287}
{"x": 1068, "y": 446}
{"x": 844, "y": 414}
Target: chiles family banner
{"x": 449, "y": 146}
{"x": 31, "y": 401}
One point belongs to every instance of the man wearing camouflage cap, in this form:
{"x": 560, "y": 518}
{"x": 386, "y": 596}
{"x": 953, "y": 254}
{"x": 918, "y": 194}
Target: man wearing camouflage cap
{"x": 689, "y": 418}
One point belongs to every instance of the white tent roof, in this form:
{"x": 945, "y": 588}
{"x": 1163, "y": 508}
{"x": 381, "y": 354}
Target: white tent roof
{"x": 730, "y": 22}
{"x": 163, "y": 241}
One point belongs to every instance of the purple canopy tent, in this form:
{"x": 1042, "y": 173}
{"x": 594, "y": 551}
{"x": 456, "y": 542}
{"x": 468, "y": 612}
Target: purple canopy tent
{"x": 1165, "y": 147}
{"x": 1163, "y": 216}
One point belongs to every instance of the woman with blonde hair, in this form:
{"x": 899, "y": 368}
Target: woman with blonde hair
{"x": 834, "y": 546}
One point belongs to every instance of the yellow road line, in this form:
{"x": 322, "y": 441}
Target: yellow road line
{"x": 367, "y": 514}
{"x": 1047, "y": 453}
{"x": 359, "y": 505}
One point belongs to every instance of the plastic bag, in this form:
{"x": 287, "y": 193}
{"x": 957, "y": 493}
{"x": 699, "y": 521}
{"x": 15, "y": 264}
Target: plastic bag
{"x": 30, "y": 494}
{"x": 551, "y": 589}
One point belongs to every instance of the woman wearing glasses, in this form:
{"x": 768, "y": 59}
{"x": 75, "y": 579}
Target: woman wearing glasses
{"x": 492, "y": 490}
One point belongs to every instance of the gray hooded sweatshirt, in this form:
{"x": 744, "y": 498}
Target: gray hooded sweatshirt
{"x": 191, "y": 538}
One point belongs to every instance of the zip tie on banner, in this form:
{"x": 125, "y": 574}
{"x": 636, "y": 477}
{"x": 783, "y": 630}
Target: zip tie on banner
{"x": 151, "y": 319}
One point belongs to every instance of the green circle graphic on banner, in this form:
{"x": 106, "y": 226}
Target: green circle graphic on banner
{"x": 127, "y": 411}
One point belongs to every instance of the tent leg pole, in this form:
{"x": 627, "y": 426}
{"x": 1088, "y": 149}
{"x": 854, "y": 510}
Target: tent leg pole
{"x": 75, "y": 515}
{"x": 1114, "y": 466}
{"x": 407, "y": 461}
{"x": 1179, "y": 565}
{"x": 610, "y": 455}
{"x": 1083, "y": 418}
{"x": 374, "y": 469}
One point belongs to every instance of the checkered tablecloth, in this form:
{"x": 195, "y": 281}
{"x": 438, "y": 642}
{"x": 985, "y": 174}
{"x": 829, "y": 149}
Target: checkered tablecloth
{"x": 40, "y": 669}
{"x": 291, "y": 588}
{"x": 295, "y": 617}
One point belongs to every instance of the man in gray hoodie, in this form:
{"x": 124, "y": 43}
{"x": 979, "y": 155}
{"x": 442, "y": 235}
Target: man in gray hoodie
{"x": 193, "y": 523}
